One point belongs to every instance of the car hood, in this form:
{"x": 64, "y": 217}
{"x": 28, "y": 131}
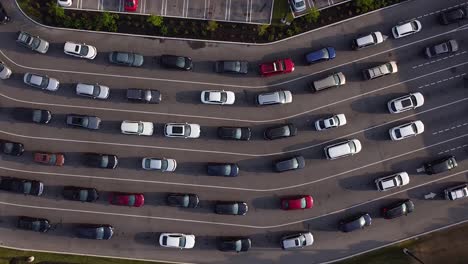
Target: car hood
{"x": 104, "y": 92}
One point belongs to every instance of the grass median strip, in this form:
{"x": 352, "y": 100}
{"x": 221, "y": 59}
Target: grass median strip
{"x": 12, "y": 256}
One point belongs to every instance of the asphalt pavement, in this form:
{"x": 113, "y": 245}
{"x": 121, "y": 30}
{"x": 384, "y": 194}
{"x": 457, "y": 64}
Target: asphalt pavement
{"x": 340, "y": 188}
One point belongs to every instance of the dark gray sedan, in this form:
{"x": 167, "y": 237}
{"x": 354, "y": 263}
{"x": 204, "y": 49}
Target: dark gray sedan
{"x": 222, "y": 169}
{"x": 126, "y": 58}
{"x": 356, "y": 222}
{"x": 294, "y": 163}
{"x": 144, "y": 96}
{"x": 231, "y": 208}
{"x": 232, "y": 67}
{"x": 92, "y": 231}
{"x": 89, "y": 122}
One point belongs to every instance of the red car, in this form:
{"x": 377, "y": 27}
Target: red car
{"x": 127, "y": 199}
{"x": 130, "y": 5}
{"x": 276, "y": 67}
{"x": 299, "y": 202}
{"x": 55, "y": 159}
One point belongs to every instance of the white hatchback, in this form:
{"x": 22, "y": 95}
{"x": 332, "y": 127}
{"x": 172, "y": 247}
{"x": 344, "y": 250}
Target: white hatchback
{"x": 64, "y": 3}
{"x": 80, "y": 50}
{"x": 406, "y": 29}
{"x": 330, "y": 122}
{"x": 297, "y": 240}
{"x": 5, "y": 72}
{"x": 407, "y": 130}
{"x": 137, "y": 128}
{"x": 176, "y": 240}
{"x": 183, "y": 130}
{"x": 393, "y": 181}
{"x": 159, "y": 164}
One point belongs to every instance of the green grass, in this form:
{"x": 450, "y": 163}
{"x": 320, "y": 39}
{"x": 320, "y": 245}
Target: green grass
{"x": 280, "y": 9}
{"x": 7, "y": 255}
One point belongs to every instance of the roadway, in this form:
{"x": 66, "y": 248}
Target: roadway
{"x": 340, "y": 188}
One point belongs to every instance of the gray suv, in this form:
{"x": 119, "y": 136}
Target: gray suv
{"x": 278, "y": 97}
{"x": 40, "y": 81}
{"x": 35, "y": 43}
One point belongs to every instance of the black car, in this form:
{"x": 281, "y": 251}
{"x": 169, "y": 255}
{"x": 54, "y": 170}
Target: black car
{"x": 445, "y": 47}
{"x": 89, "y": 122}
{"x": 144, "y": 96}
{"x": 92, "y": 231}
{"x": 12, "y": 148}
{"x": 222, "y": 169}
{"x": 440, "y": 165}
{"x": 176, "y": 62}
{"x": 232, "y": 67}
{"x": 186, "y": 200}
{"x": 294, "y": 163}
{"x": 39, "y": 116}
{"x": 282, "y": 131}
{"x": 453, "y": 15}
{"x": 126, "y": 58}
{"x": 4, "y": 18}
{"x": 399, "y": 209}
{"x": 356, "y": 222}
{"x": 105, "y": 161}
{"x": 27, "y": 187}
{"x": 231, "y": 208}
{"x": 234, "y": 244}
{"x": 33, "y": 224}
{"x": 81, "y": 194}
{"x": 236, "y": 133}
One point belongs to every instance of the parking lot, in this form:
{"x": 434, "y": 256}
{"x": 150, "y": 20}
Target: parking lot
{"x": 319, "y": 4}
{"x": 244, "y": 11}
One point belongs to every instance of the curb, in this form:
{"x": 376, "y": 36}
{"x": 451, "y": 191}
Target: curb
{"x": 212, "y": 41}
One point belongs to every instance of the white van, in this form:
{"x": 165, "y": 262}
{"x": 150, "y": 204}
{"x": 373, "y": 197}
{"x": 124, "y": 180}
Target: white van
{"x": 333, "y": 80}
{"x": 343, "y": 149}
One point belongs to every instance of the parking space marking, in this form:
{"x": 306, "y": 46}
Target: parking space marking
{"x": 451, "y": 128}
{"x": 143, "y": 6}
{"x": 204, "y": 10}
{"x": 441, "y": 81}
{"x": 440, "y": 10}
{"x": 311, "y": 3}
{"x": 233, "y": 224}
{"x": 164, "y": 7}
{"x": 185, "y": 8}
{"x": 120, "y": 5}
{"x": 438, "y": 60}
{"x": 452, "y": 149}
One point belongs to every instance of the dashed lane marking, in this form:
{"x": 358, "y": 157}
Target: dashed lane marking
{"x": 439, "y": 11}
{"x": 441, "y": 81}
{"x": 452, "y": 149}
{"x": 451, "y": 128}
{"x": 438, "y": 60}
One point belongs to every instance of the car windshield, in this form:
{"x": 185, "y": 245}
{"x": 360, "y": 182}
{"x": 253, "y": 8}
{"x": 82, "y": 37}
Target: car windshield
{"x": 182, "y": 241}
{"x": 223, "y": 97}
{"x": 148, "y": 163}
{"x": 96, "y": 90}
{"x": 180, "y": 62}
{"x": 37, "y": 116}
{"x": 303, "y": 203}
{"x": 104, "y": 161}
{"x": 82, "y": 121}
{"x": 233, "y": 66}
{"x": 238, "y": 245}
{"x": 140, "y": 127}
{"x": 83, "y": 195}
{"x": 237, "y": 133}
{"x": 226, "y": 169}
{"x": 185, "y": 200}
{"x": 397, "y": 133}
{"x": 352, "y": 147}
{"x": 164, "y": 164}
{"x": 27, "y": 186}
{"x": 187, "y": 130}
{"x": 83, "y": 51}
{"x": 235, "y": 208}
{"x": 36, "y": 225}
{"x": 100, "y": 233}
{"x": 299, "y": 4}
{"x": 131, "y": 200}
{"x": 36, "y": 43}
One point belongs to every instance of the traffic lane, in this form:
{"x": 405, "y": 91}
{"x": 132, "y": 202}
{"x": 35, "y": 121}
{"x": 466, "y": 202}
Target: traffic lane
{"x": 301, "y": 56}
{"x": 324, "y": 230}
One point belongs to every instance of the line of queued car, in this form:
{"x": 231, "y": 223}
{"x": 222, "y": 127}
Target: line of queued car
{"x": 185, "y": 130}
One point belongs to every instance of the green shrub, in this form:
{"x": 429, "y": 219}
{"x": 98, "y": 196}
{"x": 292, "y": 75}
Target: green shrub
{"x": 156, "y": 21}
{"x": 212, "y": 26}
{"x": 107, "y": 21}
{"x": 365, "y": 5}
{"x": 313, "y": 15}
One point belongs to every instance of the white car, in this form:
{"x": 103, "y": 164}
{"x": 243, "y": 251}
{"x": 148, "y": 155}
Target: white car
{"x": 330, "y": 122}
{"x": 218, "y": 97}
{"x": 372, "y": 39}
{"x": 159, "y": 164}
{"x": 406, "y": 29}
{"x": 40, "y": 81}
{"x": 176, "y": 240}
{"x": 183, "y": 130}
{"x": 95, "y": 91}
{"x": 392, "y": 181}
{"x": 298, "y": 5}
{"x": 80, "y": 50}
{"x": 297, "y": 240}
{"x": 137, "y": 128}
{"x": 405, "y": 103}
{"x": 407, "y": 130}
{"x": 5, "y": 72}
{"x": 64, "y": 3}
{"x": 381, "y": 70}
{"x": 456, "y": 192}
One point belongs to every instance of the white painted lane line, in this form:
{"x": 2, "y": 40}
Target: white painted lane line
{"x": 204, "y": 10}
{"x": 165, "y": 7}
{"x": 247, "y": 11}
{"x": 438, "y": 60}
{"x": 241, "y": 86}
{"x": 231, "y": 224}
{"x": 227, "y": 119}
{"x": 448, "y": 129}
{"x": 162, "y": 7}
{"x": 250, "y": 13}
{"x": 443, "y": 80}
{"x": 453, "y": 149}
{"x": 241, "y": 188}
{"x": 229, "y": 11}
{"x": 440, "y": 10}
{"x": 226, "y": 11}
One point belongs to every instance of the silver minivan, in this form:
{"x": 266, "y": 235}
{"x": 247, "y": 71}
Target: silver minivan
{"x": 343, "y": 149}
{"x": 334, "y": 80}
{"x": 278, "y": 97}
{"x": 94, "y": 91}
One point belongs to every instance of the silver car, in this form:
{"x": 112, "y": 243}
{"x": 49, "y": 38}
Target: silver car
{"x": 34, "y": 43}
{"x": 5, "y": 72}
{"x": 162, "y": 164}
{"x": 278, "y": 97}
{"x": 80, "y": 50}
{"x": 94, "y": 91}
{"x": 40, "y": 81}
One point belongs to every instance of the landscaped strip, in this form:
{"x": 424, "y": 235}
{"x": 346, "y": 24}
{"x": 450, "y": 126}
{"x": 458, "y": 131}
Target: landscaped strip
{"x": 49, "y": 13}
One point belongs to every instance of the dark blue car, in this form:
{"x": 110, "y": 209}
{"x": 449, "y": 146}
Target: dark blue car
{"x": 320, "y": 55}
